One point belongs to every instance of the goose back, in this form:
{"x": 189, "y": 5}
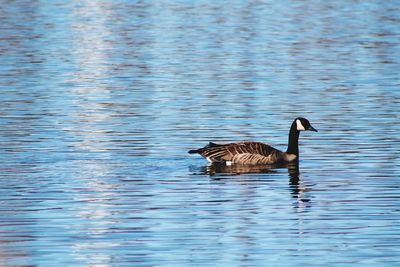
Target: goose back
{"x": 249, "y": 153}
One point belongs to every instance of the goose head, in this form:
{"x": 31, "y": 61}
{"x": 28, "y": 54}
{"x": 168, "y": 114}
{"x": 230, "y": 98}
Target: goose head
{"x": 303, "y": 124}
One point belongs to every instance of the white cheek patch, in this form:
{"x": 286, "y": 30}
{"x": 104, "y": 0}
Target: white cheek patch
{"x": 300, "y": 126}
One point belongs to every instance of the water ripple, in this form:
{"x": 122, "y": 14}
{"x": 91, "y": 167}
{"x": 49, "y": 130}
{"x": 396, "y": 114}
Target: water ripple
{"x": 101, "y": 101}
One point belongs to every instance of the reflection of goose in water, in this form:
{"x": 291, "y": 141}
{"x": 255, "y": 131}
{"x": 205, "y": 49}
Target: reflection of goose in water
{"x": 218, "y": 171}
{"x": 222, "y": 172}
{"x": 238, "y": 169}
{"x": 256, "y": 153}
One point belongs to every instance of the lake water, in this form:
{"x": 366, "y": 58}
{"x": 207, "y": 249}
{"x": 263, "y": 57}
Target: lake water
{"x": 101, "y": 100}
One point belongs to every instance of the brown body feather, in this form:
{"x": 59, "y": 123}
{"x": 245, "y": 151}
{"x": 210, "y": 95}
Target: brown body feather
{"x": 248, "y": 153}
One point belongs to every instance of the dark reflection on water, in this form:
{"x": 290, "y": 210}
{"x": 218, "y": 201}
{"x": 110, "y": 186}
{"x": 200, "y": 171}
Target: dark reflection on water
{"x": 238, "y": 169}
{"x": 101, "y": 100}
{"x": 219, "y": 171}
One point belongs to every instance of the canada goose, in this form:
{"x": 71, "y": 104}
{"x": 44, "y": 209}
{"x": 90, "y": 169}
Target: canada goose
{"x": 254, "y": 153}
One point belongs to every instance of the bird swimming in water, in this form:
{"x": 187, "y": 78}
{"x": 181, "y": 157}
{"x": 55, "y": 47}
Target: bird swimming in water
{"x": 256, "y": 153}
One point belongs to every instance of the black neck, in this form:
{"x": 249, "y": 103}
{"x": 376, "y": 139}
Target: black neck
{"x": 293, "y": 146}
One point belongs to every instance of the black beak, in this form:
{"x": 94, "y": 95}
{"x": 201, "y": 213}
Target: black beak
{"x": 310, "y": 128}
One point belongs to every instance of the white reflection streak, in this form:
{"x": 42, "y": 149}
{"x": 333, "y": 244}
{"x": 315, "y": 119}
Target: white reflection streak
{"x": 89, "y": 29}
{"x": 89, "y": 46}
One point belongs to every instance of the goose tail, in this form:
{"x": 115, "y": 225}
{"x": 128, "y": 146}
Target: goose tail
{"x": 201, "y": 150}
{"x": 193, "y": 151}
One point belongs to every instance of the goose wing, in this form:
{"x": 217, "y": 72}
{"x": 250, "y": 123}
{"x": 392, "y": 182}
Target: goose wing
{"x": 249, "y": 153}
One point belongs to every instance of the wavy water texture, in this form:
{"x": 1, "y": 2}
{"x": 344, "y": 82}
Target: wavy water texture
{"x": 101, "y": 100}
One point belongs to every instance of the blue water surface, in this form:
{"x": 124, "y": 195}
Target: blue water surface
{"x": 100, "y": 101}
